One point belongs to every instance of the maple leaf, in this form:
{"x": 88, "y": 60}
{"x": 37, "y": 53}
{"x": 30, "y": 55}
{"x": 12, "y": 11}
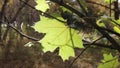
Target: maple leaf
{"x": 58, "y": 35}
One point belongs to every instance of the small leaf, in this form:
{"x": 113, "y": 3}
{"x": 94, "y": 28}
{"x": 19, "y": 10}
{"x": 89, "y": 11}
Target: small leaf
{"x": 41, "y": 5}
{"x": 109, "y": 62}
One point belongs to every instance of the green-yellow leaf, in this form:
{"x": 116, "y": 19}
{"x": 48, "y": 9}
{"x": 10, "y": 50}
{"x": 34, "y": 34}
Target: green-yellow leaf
{"x": 109, "y": 62}
{"x": 116, "y": 29}
{"x": 66, "y": 51}
{"x": 41, "y": 5}
{"x": 58, "y": 35}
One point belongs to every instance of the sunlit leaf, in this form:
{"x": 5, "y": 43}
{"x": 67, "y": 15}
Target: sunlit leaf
{"x": 109, "y": 62}
{"x": 58, "y": 35}
{"x": 116, "y": 29}
{"x": 66, "y": 51}
{"x": 41, "y": 5}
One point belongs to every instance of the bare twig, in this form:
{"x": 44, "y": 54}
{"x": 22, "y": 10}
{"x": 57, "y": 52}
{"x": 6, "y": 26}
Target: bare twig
{"x": 99, "y": 4}
{"x": 110, "y": 31}
{"x": 84, "y": 51}
{"x": 102, "y": 45}
{"x": 19, "y": 32}
{"x": 82, "y": 6}
{"x": 22, "y": 34}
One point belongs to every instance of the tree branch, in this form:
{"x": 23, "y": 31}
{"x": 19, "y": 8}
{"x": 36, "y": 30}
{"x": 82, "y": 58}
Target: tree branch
{"x": 110, "y": 31}
{"x": 68, "y": 7}
{"x": 82, "y": 6}
{"x": 22, "y": 34}
{"x": 71, "y": 64}
{"x": 108, "y": 37}
{"x": 100, "y": 5}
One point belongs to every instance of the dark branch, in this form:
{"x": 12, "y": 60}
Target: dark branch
{"x": 82, "y": 7}
{"x": 84, "y": 51}
{"x": 19, "y": 32}
{"x": 101, "y": 45}
{"x": 99, "y": 4}
{"x": 108, "y": 37}
{"x": 68, "y": 7}
{"x": 22, "y": 34}
{"x": 110, "y": 31}
{"x": 115, "y": 22}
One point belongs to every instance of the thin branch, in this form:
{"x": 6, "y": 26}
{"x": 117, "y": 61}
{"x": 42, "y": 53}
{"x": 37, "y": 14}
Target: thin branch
{"x": 82, "y": 6}
{"x": 110, "y": 31}
{"x": 101, "y": 45}
{"x": 100, "y": 5}
{"x": 69, "y": 7}
{"x": 41, "y": 12}
{"x": 115, "y": 22}
{"x": 22, "y": 34}
{"x": 83, "y": 51}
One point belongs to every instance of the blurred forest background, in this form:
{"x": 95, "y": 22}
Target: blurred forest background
{"x": 19, "y": 46}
